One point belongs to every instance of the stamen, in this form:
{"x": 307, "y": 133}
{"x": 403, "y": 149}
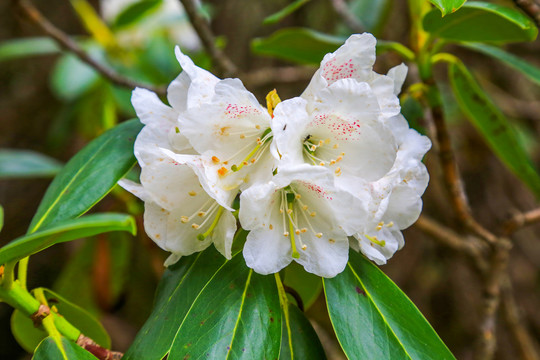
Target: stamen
{"x": 212, "y": 226}
{"x": 222, "y": 171}
{"x": 184, "y": 219}
{"x": 195, "y": 226}
{"x": 336, "y": 145}
{"x": 313, "y": 214}
{"x": 297, "y": 196}
{"x": 192, "y": 193}
{"x": 201, "y": 213}
{"x": 374, "y": 240}
{"x": 215, "y": 159}
{"x": 319, "y": 235}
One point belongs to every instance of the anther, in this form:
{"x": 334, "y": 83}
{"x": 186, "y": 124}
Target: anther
{"x": 192, "y": 193}
{"x": 338, "y": 170}
{"x": 257, "y": 127}
{"x": 321, "y": 163}
{"x": 339, "y": 158}
{"x": 304, "y": 247}
{"x": 327, "y": 141}
{"x": 215, "y": 159}
{"x": 222, "y": 171}
{"x": 242, "y": 136}
{"x": 201, "y": 213}
{"x": 195, "y": 226}
{"x": 289, "y": 211}
{"x": 286, "y": 233}
{"x": 305, "y": 207}
{"x": 319, "y": 235}
{"x": 335, "y": 146}
{"x": 297, "y": 232}
{"x": 184, "y": 219}
{"x": 313, "y": 214}
{"x": 303, "y": 230}
{"x": 390, "y": 224}
{"x": 313, "y": 148}
{"x": 253, "y": 160}
{"x": 331, "y": 241}
{"x": 298, "y": 196}
{"x": 342, "y": 154}
{"x": 270, "y": 226}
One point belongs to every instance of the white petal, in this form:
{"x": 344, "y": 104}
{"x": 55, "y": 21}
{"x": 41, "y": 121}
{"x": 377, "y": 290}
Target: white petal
{"x": 347, "y": 113}
{"x": 135, "y": 189}
{"x": 398, "y": 74}
{"x": 206, "y": 177}
{"x": 354, "y": 59}
{"x": 267, "y": 251}
{"x": 289, "y": 127}
{"x": 193, "y": 87}
{"x": 151, "y": 111}
{"x": 383, "y": 87}
{"x": 155, "y": 223}
{"x": 172, "y": 259}
{"x": 257, "y": 204}
{"x": 148, "y": 144}
{"x": 170, "y": 184}
{"x": 326, "y": 256}
{"x": 216, "y": 129}
{"x": 404, "y": 207}
{"x": 182, "y": 237}
{"x": 224, "y": 233}
{"x": 393, "y": 241}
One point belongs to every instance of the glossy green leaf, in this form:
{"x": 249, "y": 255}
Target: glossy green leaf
{"x": 529, "y": 70}
{"x": 286, "y": 11}
{"x": 479, "y": 21}
{"x": 26, "y": 164}
{"x": 374, "y": 319}
{"x": 299, "y": 340}
{"x": 493, "y": 125}
{"x": 63, "y": 231}
{"x": 61, "y": 349}
{"x": 20, "y": 48}
{"x": 307, "y": 285}
{"x": 29, "y": 336}
{"x": 88, "y": 176}
{"x": 304, "y": 46}
{"x": 448, "y": 6}
{"x": 212, "y": 308}
{"x": 135, "y": 12}
{"x": 1, "y": 217}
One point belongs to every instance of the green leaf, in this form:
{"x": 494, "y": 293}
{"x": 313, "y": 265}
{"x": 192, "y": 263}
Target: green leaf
{"x": 479, "y": 21}
{"x": 26, "y": 164}
{"x": 135, "y": 12}
{"x": 447, "y": 6}
{"x": 20, "y": 48}
{"x": 63, "y": 231}
{"x": 1, "y": 217}
{"x": 493, "y": 125}
{"x": 286, "y": 11}
{"x": 29, "y": 336}
{"x": 208, "y": 307}
{"x": 61, "y": 349}
{"x": 307, "y": 285}
{"x": 71, "y": 77}
{"x": 299, "y": 340}
{"x": 304, "y": 46}
{"x": 374, "y": 319}
{"x": 89, "y": 175}
{"x": 515, "y": 62}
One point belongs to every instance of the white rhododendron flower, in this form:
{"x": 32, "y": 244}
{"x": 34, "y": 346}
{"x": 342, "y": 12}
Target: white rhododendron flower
{"x": 299, "y": 215}
{"x": 348, "y": 121}
{"x": 337, "y": 167}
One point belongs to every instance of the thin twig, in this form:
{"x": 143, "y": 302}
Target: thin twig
{"x": 487, "y": 342}
{"x": 521, "y": 219}
{"x": 202, "y": 28}
{"x": 470, "y": 246}
{"x": 453, "y": 180}
{"x": 65, "y": 42}
{"x": 514, "y": 321}
{"x": 531, "y": 8}
{"x": 99, "y": 352}
{"x": 341, "y": 8}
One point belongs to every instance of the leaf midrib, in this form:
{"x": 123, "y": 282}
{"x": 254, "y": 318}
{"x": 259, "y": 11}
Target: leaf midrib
{"x": 46, "y": 214}
{"x": 368, "y": 295}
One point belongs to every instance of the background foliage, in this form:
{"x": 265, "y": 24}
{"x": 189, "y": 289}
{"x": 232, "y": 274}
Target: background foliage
{"x": 53, "y": 104}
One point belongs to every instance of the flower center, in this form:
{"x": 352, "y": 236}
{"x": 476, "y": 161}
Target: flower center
{"x": 209, "y": 210}
{"x": 322, "y": 152}
{"x": 294, "y": 213}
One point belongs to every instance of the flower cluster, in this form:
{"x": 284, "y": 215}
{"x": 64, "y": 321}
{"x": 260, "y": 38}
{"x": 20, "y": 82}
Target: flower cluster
{"x": 337, "y": 167}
